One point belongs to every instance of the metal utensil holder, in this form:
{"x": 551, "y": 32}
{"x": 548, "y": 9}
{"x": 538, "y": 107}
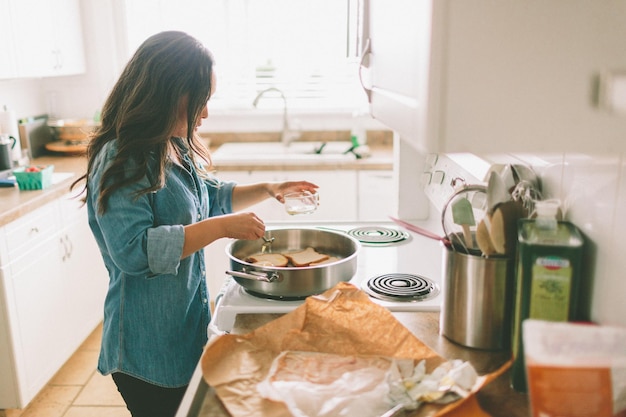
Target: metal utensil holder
{"x": 477, "y": 300}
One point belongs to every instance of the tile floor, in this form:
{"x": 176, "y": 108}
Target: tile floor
{"x": 77, "y": 390}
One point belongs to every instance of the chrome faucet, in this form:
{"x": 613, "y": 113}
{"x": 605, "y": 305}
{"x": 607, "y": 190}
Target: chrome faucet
{"x": 288, "y": 135}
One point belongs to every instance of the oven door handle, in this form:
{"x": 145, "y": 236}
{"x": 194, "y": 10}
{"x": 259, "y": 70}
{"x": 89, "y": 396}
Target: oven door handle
{"x": 257, "y": 275}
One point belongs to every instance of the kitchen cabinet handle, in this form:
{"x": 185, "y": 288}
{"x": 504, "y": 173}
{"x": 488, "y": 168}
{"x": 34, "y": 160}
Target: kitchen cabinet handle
{"x": 68, "y": 248}
{"x": 63, "y": 248}
{"x": 59, "y": 59}
{"x": 367, "y": 49}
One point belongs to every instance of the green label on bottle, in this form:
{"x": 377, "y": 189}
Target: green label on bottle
{"x": 550, "y": 288}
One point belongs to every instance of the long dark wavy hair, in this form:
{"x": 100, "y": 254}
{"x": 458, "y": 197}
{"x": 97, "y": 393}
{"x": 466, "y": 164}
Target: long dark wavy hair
{"x": 142, "y": 111}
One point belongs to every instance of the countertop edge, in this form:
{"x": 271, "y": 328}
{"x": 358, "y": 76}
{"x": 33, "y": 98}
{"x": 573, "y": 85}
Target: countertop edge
{"x": 380, "y": 159}
{"x": 16, "y": 203}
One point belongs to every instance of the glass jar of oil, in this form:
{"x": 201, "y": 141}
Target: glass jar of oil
{"x": 548, "y": 275}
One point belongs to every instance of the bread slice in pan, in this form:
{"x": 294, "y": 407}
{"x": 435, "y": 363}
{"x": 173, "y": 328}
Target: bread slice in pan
{"x": 268, "y": 259}
{"x": 305, "y": 257}
{"x": 325, "y": 261}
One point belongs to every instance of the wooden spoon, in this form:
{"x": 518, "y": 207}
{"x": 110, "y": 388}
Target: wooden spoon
{"x": 504, "y": 226}
{"x": 483, "y": 239}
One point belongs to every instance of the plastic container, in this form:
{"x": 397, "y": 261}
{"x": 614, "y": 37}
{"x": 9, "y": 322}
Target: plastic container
{"x": 548, "y": 274}
{"x": 34, "y": 180}
{"x": 358, "y": 133}
{"x": 575, "y": 370}
{"x": 478, "y": 300}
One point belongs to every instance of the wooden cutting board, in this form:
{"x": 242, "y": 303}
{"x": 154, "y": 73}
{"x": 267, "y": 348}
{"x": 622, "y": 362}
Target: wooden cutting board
{"x": 67, "y": 147}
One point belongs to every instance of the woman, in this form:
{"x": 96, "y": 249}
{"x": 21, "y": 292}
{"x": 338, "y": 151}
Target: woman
{"x": 152, "y": 209}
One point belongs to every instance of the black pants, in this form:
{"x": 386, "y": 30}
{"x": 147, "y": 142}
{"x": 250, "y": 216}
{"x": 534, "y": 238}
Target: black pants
{"x": 147, "y": 400}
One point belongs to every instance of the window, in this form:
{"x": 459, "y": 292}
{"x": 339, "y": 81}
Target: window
{"x": 305, "y": 48}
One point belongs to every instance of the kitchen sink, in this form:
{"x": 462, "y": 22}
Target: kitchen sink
{"x": 314, "y": 153}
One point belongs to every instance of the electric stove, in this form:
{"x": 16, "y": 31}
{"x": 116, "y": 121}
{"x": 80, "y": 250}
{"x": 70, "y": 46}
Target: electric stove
{"x": 397, "y": 269}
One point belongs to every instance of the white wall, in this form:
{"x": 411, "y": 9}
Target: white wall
{"x": 22, "y": 96}
{"x": 592, "y": 189}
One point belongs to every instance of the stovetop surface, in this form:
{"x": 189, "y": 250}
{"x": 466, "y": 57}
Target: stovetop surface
{"x": 416, "y": 255}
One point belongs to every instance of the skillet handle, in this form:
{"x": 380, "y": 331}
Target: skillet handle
{"x": 257, "y": 276}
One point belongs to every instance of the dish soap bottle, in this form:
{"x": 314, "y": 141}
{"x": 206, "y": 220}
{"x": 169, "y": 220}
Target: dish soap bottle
{"x": 548, "y": 277}
{"x": 358, "y": 134}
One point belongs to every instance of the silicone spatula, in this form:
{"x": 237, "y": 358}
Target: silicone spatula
{"x": 463, "y": 215}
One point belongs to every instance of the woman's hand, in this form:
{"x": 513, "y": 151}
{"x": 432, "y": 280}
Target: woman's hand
{"x": 246, "y": 226}
{"x": 246, "y": 195}
{"x": 278, "y": 190}
{"x": 243, "y": 226}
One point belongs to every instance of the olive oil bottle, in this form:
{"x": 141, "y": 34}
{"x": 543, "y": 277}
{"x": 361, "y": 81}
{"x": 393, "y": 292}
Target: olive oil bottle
{"x": 548, "y": 277}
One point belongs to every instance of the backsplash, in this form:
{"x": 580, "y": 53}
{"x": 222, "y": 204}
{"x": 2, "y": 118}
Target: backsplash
{"x": 592, "y": 189}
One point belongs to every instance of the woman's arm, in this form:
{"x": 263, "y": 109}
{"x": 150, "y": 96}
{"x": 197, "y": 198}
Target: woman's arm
{"x": 247, "y": 195}
{"x": 239, "y": 225}
{"x": 235, "y": 226}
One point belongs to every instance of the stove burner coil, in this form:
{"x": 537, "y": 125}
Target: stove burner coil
{"x": 401, "y": 287}
{"x": 377, "y": 235}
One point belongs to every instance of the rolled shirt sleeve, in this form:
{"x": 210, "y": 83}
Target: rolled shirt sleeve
{"x": 165, "y": 247}
{"x": 133, "y": 238}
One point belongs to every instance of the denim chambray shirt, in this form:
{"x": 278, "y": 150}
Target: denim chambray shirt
{"x": 156, "y": 310}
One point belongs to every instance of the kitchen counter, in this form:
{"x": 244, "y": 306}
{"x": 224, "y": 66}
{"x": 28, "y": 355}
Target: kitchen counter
{"x": 497, "y": 398}
{"x": 380, "y": 158}
{"x": 15, "y": 203}
{"x": 380, "y": 144}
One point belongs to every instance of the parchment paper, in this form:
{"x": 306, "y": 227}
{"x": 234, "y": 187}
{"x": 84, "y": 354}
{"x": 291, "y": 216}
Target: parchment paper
{"x": 342, "y": 320}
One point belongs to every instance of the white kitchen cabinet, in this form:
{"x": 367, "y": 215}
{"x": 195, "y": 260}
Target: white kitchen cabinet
{"x": 7, "y": 48}
{"x": 53, "y": 284}
{"x": 47, "y": 37}
{"x": 376, "y": 195}
{"x": 396, "y": 63}
{"x": 37, "y": 287}
{"x": 508, "y": 76}
{"x": 86, "y": 277}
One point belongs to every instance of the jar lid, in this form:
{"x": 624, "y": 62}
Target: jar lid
{"x": 547, "y": 208}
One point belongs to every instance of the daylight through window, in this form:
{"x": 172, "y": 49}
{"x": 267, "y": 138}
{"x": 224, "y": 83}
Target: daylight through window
{"x": 306, "y": 48}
